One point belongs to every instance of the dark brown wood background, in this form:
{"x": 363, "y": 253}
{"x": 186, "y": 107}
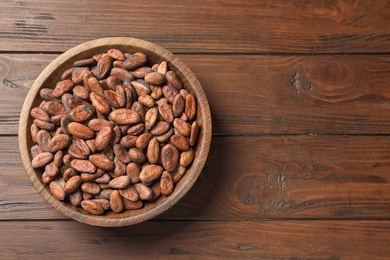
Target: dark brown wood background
{"x": 300, "y": 96}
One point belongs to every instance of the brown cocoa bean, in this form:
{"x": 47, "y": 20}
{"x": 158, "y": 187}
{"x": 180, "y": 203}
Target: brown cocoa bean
{"x": 180, "y": 142}
{"x": 80, "y": 131}
{"x": 75, "y": 198}
{"x": 178, "y": 105}
{"x": 85, "y": 63}
{"x": 128, "y": 204}
{"x": 121, "y": 153}
{"x": 119, "y": 169}
{"x": 141, "y": 72}
{"x": 146, "y": 100}
{"x": 103, "y": 67}
{"x": 65, "y": 120}
{"x": 169, "y": 93}
{"x": 165, "y": 137}
{"x": 95, "y": 86}
{"x": 144, "y": 192}
{"x": 116, "y": 135}
{"x": 166, "y": 112}
{"x": 178, "y": 173}
{"x": 79, "y": 149}
{"x": 58, "y": 142}
{"x": 104, "y": 202}
{"x": 100, "y": 103}
{"x": 34, "y": 131}
{"x": 182, "y": 126}
{"x": 136, "y": 155}
{"x": 138, "y": 107}
{"x": 97, "y": 124}
{"x": 92, "y": 207}
{"x": 129, "y": 193}
{"x": 173, "y": 80}
{"x": 135, "y": 61}
{"x": 128, "y": 141}
{"x": 67, "y": 74}
{"x": 156, "y": 92}
{"x": 90, "y": 188}
{"x": 69, "y": 173}
{"x": 44, "y": 125}
{"x": 122, "y": 74}
{"x": 80, "y": 92}
{"x": 43, "y": 139}
{"x": 141, "y": 87}
{"x": 120, "y": 182}
{"x": 190, "y": 108}
{"x": 166, "y": 183}
{"x": 103, "y": 138}
{"x": 186, "y": 157}
{"x": 41, "y": 159}
{"x": 116, "y": 202}
{"x": 169, "y": 157}
{"x": 78, "y": 73}
{"x": 82, "y": 113}
{"x": 194, "y": 133}
{"x": 124, "y": 116}
{"x": 133, "y": 172}
{"x": 40, "y": 113}
{"x": 153, "y": 151}
{"x": 57, "y": 190}
{"x": 136, "y": 129}
{"x": 52, "y": 170}
{"x": 47, "y": 94}
{"x": 155, "y": 190}
{"x": 35, "y": 150}
{"x": 101, "y": 161}
{"x": 162, "y": 68}
{"x": 151, "y": 117}
{"x": 62, "y": 87}
{"x": 104, "y": 179}
{"x": 56, "y": 120}
{"x": 150, "y": 173}
{"x": 72, "y": 184}
{"x": 82, "y": 165}
{"x": 143, "y": 140}
{"x": 116, "y": 54}
{"x": 54, "y": 107}
{"x": 154, "y": 78}
{"x": 161, "y": 128}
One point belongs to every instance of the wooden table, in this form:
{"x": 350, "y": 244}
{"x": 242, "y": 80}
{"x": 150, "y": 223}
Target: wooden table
{"x": 300, "y": 160}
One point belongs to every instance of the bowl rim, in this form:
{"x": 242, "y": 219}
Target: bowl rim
{"x": 204, "y": 146}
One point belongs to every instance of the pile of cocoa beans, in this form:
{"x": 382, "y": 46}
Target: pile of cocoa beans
{"x": 114, "y": 133}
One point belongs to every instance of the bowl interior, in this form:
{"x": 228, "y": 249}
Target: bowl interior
{"x": 156, "y": 54}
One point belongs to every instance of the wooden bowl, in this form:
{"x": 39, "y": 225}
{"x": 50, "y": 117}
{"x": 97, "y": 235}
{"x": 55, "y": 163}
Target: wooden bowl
{"x": 156, "y": 54}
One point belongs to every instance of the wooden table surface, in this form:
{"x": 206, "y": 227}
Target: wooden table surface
{"x": 299, "y": 91}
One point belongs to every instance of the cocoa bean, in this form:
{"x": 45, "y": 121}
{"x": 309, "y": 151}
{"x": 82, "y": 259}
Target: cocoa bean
{"x": 124, "y": 116}
{"x": 103, "y": 138}
{"x": 101, "y": 161}
{"x": 92, "y": 207}
{"x": 169, "y": 157}
{"x": 41, "y": 159}
{"x": 40, "y": 113}
{"x": 150, "y": 173}
{"x": 82, "y": 165}
{"x": 166, "y": 183}
{"x": 116, "y": 202}
{"x": 80, "y": 131}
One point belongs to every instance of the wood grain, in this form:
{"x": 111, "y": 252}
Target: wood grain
{"x": 253, "y": 178}
{"x": 293, "y": 94}
{"x": 201, "y": 27}
{"x": 198, "y": 240}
